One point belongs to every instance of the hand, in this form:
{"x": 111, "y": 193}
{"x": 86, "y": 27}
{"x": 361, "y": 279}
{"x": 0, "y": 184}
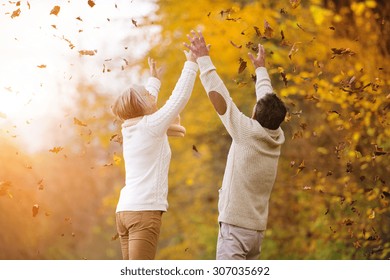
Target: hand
{"x": 154, "y": 72}
{"x": 190, "y": 56}
{"x": 198, "y": 45}
{"x": 258, "y": 61}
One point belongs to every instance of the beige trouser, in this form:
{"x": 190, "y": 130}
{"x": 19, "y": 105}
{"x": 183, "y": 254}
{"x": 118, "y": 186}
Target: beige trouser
{"x": 138, "y": 233}
{"x": 237, "y": 243}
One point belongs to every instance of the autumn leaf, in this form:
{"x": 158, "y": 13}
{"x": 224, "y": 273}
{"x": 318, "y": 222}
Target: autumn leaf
{"x": 35, "y": 210}
{"x": 41, "y": 66}
{"x": 91, "y": 3}
{"x": 295, "y": 3}
{"x": 79, "y": 18}
{"x": 257, "y": 30}
{"x": 15, "y": 13}
{"x": 55, "y": 10}
{"x": 342, "y": 51}
{"x": 242, "y": 65}
{"x": 134, "y": 22}
{"x": 234, "y": 45}
{"x": 195, "y": 151}
{"x": 40, "y": 185}
{"x": 4, "y": 188}
{"x": 283, "y": 75}
{"x": 76, "y": 121}
{"x": 268, "y": 31}
{"x": 293, "y": 50}
{"x": 56, "y": 150}
{"x": 88, "y": 52}
{"x": 301, "y": 166}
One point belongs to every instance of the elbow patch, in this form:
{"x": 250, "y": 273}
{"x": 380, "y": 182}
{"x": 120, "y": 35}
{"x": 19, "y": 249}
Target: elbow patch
{"x": 218, "y": 101}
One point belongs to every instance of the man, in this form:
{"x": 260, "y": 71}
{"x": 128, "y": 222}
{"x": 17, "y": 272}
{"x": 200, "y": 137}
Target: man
{"x": 253, "y": 156}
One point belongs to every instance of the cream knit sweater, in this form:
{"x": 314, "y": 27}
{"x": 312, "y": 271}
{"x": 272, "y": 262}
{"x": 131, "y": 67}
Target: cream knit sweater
{"x": 146, "y": 150}
{"x": 253, "y": 156}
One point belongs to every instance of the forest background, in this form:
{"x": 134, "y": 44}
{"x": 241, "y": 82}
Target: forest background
{"x": 329, "y": 62}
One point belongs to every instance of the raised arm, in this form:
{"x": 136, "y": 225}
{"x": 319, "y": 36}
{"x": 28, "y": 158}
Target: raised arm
{"x": 263, "y": 82}
{"x": 232, "y": 118}
{"x": 153, "y": 84}
{"x": 160, "y": 121}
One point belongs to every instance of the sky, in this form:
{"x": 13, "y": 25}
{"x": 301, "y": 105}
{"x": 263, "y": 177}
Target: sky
{"x": 41, "y": 61}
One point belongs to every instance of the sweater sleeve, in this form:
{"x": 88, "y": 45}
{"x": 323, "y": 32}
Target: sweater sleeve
{"x": 160, "y": 121}
{"x": 153, "y": 86}
{"x": 263, "y": 83}
{"x": 233, "y": 119}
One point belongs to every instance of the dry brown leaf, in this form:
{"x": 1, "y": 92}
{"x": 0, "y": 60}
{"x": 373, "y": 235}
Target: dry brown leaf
{"x": 55, "y": 10}
{"x": 134, "y": 22}
{"x": 242, "y": 65}
{"x": 15, "y": 13}
{"x": 268, "y": 31}
{"x": 41, "y": 66}
{"x": 91, "y": 3}
{"x": 35, "y": 210}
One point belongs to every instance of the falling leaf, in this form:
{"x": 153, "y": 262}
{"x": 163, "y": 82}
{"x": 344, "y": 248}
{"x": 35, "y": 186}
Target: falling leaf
{"x": 134, "y": 22}
{"x": 79, "y": 18}
{"x": 268, "y": 31}
{"x": 56, "y": 150}
{"x": 91, "y": 3}
{"x": 15, "y": 13}
{"x": 195, "y": 151}
{"x": 40, "y": 185}
{"x": 258, "y": 33}
{"x": 88, "y": 52}
{"x": 55, "y": 10}
{"x": 371, "y": 214}
{"x": 28, "y": 4}
{"x": 281, "y": 71}
{"x": 41, "y": 66}
{"x": 301, "y": 166}
{"x": 54, "y": 26}
{"x": 342, "y": 51}
{"x": 115, "y": 237}
{"x": 234, "y": 45}
{"x": 242, "y": 65}
{"x": 293, "y": 50}
{"x": 35, "y": 210}
{"x": 295, "y": 3}
{"x": 300, "y": 27}
{"x": 348, "y": 222}
{"x": 117, "y": 159}
{"x": 76, "y": 121}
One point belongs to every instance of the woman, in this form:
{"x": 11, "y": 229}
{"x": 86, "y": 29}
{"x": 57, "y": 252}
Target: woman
{"x": 147, "y": 156}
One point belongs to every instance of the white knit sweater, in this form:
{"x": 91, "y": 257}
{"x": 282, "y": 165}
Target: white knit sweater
{"x": 253, "y": 156}
{"x": 146, "y": 150}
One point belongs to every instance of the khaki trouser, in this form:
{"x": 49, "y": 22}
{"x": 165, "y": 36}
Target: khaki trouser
{"x": 237, "y": 243}
{"x": 138, "y": 233}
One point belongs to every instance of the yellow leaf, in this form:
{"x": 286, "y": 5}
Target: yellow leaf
{"x": 371, "y": 214}
{"x": 41, "y": 66}
{"x": 56, "y": 150}
{"x": 117, "y": 159}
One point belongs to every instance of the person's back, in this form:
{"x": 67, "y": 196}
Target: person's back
{"x": 253, "y": 157}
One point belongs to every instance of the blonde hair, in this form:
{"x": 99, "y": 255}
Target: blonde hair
{"x": 132, "y": 103}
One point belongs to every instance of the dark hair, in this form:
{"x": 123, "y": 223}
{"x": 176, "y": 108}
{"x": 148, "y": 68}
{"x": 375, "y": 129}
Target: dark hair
{"x": 270, "y": 111}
